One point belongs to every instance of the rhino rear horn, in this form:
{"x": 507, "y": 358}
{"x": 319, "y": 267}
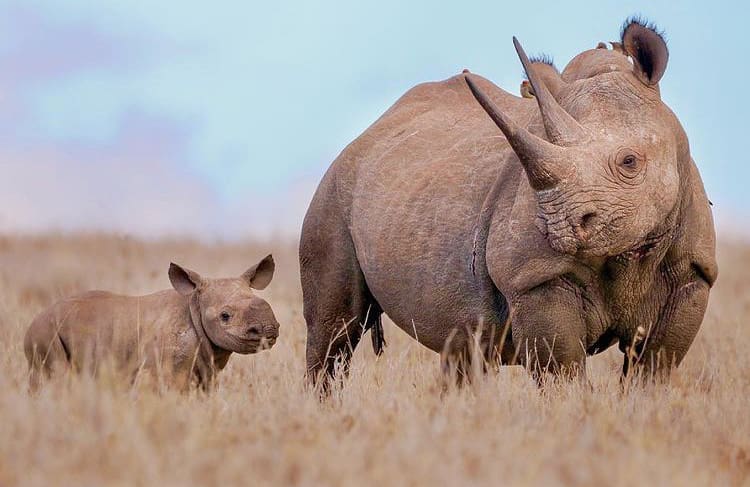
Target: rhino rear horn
{"x": 561, "y": 127}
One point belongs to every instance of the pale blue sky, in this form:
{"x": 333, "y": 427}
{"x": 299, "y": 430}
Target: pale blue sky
{"x": 205, "y": 117}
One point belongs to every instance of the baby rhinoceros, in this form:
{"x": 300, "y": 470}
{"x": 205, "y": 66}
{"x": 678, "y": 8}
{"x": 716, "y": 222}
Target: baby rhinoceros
{"x": 185, "y": 334}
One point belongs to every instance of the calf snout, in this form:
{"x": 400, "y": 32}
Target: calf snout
{"x": 258, "y": 331}
{"x": 254, "y": 331}
{"x": 272, "y": 333}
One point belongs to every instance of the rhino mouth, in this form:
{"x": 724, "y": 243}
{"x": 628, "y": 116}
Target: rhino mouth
{"x": 643, "y": 249}
{"x": 564, "y": 237}
{"x": 639, "y": 252}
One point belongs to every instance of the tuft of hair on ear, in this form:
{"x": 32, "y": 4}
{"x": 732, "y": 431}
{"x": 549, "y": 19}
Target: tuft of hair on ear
{"x": 646, "y": 45}
{"x": 643, "y": 22}
{"x": 541, "y": 58}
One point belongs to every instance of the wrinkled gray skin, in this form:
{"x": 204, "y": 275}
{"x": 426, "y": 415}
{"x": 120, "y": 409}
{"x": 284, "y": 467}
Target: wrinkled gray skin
{"x": 186, "y": 334}
{"x": 578, "y": 219}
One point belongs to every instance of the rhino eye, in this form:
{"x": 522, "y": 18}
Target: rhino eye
{"x": 629, "y": 165}
{"x": 629, "y": 162}
{"x": 225, "y": 316}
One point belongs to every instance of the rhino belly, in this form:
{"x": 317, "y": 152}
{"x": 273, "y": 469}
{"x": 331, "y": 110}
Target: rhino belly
{"x": 414, "y": 241}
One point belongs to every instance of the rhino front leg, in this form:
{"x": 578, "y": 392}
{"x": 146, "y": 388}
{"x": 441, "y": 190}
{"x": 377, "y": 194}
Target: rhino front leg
{"x": 548, "y": 330}
{"x": 667, "y": 343}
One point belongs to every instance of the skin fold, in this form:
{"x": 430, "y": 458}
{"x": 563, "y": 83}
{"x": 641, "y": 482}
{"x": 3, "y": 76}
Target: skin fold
{"x": 185, "y": 334}
{"x": 566, "y": 221}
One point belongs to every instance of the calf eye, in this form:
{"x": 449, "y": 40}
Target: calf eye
{"x": 225, "y": 316}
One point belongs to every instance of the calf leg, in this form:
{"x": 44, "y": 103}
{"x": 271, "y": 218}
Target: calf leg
{"x": 45, "y": 352}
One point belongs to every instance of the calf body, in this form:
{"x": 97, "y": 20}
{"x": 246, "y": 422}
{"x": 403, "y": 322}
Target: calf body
{"x": 184, "y": 333}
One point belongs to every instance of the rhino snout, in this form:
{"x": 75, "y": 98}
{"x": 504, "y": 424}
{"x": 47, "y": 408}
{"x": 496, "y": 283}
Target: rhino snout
{"x": 584, "y": 225}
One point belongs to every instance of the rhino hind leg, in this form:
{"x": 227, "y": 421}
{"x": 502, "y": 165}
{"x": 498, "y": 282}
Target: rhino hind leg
{"x": 338, "y": 306}
{"x": 338, "y": 309}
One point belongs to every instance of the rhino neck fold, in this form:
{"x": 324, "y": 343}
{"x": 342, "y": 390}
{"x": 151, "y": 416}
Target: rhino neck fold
{"x": 210, "y": 356}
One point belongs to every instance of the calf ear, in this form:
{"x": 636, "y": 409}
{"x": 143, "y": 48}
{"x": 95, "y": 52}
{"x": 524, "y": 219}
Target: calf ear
{"x": 259, "y": 275}
{"x": 646, "y": 46}
{"x": 184, "y": 280}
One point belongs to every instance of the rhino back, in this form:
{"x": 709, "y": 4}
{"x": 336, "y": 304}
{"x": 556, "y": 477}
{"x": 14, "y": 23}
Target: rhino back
{"x": 412, "y": 189}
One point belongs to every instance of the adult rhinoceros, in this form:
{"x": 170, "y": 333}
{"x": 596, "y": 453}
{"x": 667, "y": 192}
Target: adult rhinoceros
{"x": 581, "y": 222}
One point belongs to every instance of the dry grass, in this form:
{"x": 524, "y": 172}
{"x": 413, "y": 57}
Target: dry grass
{"x": 390, "y": 424}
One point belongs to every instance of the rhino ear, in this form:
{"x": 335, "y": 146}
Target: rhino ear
{"x": 643, "y": 42}
{"x": 260, "y": 275}
{"x": 184, "y": 280}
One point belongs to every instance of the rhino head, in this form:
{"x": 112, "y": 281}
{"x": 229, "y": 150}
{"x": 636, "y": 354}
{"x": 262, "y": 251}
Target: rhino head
{"x": 231, "y": 315}
{"x": 604, "y": 154}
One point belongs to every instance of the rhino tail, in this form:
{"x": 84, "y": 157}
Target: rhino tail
{"x": 377, "y": 336}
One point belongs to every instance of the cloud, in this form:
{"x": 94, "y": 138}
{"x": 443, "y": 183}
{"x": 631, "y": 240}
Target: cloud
{"x": 39, "y": 49}
{"x": 138, "y": 185}
{"x": 43, "y": 52}
{"x": 137, "y": 179}
{"x": 135, "y": 184}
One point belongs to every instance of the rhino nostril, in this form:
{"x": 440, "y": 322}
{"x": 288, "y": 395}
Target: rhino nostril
{"x": 583, "y": 228}
{"x": 587, "y": 220}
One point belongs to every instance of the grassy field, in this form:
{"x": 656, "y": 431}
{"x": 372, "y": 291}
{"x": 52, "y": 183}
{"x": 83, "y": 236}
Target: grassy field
{"x": 390, "y": 425}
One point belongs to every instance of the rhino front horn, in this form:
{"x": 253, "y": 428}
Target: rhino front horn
{"x": 543, "y": 161}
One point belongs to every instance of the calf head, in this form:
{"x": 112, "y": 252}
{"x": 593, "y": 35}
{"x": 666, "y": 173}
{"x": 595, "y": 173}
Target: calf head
{"x": 233, "y": 317}
{"x": 605, "y": 154}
